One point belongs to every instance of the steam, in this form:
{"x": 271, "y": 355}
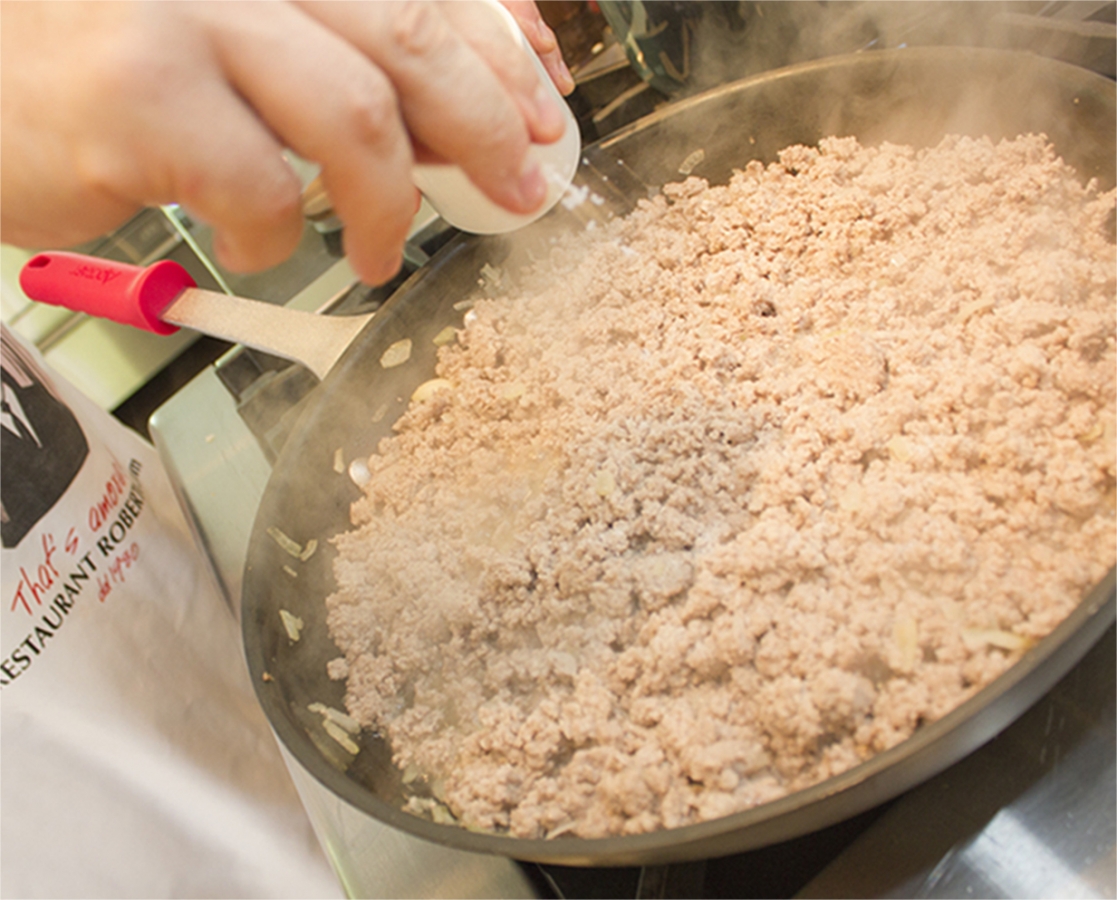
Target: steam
{"x": 693, "y": 47}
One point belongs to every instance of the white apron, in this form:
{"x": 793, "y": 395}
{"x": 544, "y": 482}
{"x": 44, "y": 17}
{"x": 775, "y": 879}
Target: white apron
{"x": 135, "y": 760}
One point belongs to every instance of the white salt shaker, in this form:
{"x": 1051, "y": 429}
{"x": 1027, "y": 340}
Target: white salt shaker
{"x": 461, "y": 203}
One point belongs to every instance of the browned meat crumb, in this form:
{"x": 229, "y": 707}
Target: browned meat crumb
{"x": 739, "y": 490}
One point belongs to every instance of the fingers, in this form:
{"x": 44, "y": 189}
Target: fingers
{"x": 488, "y": 34}
{"x": 543, "y": 42}
{"x": 121, "y": 105}
{"x": 452, "y": 101}
{"x": 362, "y": 87}
{"x": 114, "y": 106}
{"x": 251, "y": 200}
{"x": 46, "y": 202}
{"x": 229, "y": 174}
{"x": 328, "y": 103}
{"x": 183, "y": 136}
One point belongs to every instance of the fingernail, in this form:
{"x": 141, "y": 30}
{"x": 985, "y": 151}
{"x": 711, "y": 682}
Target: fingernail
{"x": 532, "y": 186}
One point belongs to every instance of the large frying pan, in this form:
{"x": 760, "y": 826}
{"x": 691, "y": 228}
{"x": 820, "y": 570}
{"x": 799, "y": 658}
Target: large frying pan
{"x": 911, "y": 96}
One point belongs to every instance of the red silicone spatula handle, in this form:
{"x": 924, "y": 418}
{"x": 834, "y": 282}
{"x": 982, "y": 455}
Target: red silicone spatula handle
{"x": 133, "y": 295}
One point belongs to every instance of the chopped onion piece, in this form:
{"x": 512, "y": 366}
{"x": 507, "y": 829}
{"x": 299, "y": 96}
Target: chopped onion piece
{"x": 446, "y": 336}
{"x": 428, "y": 389}
{"x": 512, "y": 391}
{"x": 1095, "y": 432}
{"x": 432, "y": 808}
{"x": 691, "y": 162}
{"x": 308, "y": 552}
{"x": 899, "y": 448}
{"x": 397, "y": 354}
{"x": 975, "y": 307}
{"x": 289, "y": 546}
{"x": 852, "y": 498}
{"x": 338, "y": 734}
{"x": 491, "y": 274}
{"x": 605, "y": 483}
{"x": 906, "y": 634}
{"x": 976, "y": 638}
{"x": 339, "y": 461}
{"x": 562, "y": 829}
{"x": 336, "y": 716}
{"x": 290, "y": 571}
{"x": 292, "y": 624}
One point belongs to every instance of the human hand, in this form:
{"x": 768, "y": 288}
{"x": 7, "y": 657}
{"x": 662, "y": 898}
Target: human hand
{"x": 109, "y": 107}
{"x": 543, "y": 42}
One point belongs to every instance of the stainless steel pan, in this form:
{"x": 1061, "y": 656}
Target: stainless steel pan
{"x": 910, "y": 96}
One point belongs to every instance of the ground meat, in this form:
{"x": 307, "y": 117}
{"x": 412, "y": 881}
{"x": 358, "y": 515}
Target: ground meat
{"x": 738, "y": 490}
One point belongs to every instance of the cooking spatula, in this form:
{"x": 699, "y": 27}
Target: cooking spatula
{"x": 163, "y": 296}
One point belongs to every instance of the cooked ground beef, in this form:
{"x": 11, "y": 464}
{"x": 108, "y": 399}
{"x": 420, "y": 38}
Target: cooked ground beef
{"x": 738, "y": 490}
